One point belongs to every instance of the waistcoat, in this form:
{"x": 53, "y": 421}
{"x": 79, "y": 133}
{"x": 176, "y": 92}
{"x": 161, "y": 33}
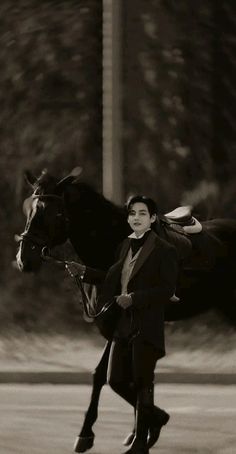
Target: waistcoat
{"x": 127, "y": 269}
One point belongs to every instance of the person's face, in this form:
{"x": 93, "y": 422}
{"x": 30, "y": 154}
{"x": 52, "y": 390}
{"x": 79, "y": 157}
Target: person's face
{"x": 139, "y": 218}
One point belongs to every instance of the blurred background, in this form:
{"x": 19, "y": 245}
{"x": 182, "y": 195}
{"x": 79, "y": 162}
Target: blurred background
{"x": 177, "y": 101}
{"x": 51, "y": 117}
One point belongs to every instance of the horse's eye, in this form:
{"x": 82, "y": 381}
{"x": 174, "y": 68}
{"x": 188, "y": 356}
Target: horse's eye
{"x": 33, "y": 247}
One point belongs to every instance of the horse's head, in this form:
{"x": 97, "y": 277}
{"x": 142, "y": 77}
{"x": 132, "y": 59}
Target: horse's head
{"x": 46, "y": 219}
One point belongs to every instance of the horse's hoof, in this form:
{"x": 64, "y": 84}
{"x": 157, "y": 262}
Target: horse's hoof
{"x": 82, "y": 444}
{"x": 129, "y": 439}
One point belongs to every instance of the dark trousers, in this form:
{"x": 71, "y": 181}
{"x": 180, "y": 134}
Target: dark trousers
{"x": 131, "y": 375}
{"x": 131, "y": 364}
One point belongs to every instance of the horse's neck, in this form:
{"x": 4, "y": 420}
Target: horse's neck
{"x": 95, "y": 232}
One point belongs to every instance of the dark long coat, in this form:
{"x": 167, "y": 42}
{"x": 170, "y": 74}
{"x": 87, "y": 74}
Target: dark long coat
{"x": 151, "y": 285}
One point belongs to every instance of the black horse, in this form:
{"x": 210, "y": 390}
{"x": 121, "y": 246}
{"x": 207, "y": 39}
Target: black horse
{"x": 65, "y": 209}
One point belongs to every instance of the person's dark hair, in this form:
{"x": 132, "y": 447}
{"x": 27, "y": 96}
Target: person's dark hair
{"x": 150, "y": 204}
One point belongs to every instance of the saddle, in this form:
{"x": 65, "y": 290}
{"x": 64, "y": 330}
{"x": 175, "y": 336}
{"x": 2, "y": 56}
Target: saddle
{"x": 182, "y": 220}
{"x": 197, "y": 252}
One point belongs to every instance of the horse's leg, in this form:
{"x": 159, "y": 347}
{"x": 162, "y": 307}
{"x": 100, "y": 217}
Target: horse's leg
{"x": 85, "y": 439}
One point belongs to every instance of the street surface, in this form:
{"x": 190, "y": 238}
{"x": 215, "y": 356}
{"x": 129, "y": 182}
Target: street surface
{"x": 44, "y": 419}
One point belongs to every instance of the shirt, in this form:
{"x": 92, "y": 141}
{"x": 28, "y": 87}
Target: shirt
{"x": 137, "y": 242}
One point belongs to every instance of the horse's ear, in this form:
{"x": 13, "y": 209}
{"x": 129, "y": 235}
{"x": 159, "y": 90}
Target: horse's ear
{"x": 73, "y": 177}
{"x": 29, "y": 178}
{"x": 76, "y": 172}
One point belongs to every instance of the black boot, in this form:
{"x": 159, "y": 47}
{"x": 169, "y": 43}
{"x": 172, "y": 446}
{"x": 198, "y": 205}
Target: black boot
{"x": 144, "y": 412}
{"x": 159, "y": 419}
{"x": 129, "y": 394}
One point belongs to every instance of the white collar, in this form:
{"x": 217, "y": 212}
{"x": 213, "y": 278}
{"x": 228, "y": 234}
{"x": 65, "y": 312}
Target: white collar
{"x": 133, "y": 235}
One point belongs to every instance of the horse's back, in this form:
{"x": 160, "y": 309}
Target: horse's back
{"x": 217, "y": 241}
{"x": 213, "y": 246}
{"x": 224, "y": 229}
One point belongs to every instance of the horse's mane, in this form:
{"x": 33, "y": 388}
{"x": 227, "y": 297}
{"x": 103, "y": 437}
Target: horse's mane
{"x": 97, "y": 197}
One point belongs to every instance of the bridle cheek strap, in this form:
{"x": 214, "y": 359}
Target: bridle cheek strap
{"x": 26, "y": 236}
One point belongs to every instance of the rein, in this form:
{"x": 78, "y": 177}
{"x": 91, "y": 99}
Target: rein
{"x": 86, "y": 302}
{"x": 47, "y": 196}
{"x": 85, "y": 299}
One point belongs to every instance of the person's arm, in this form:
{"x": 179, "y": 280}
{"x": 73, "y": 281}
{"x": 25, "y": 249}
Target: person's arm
{"x": 91, "y": 275}
{"x": 167, "y": 286}
{"x": 85, "y": 273}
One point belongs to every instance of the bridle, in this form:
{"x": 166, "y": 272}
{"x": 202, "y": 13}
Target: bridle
{"x": 26, "y": 236}
{"x": 46, "y": 255}
{"x": 29, "y": 237}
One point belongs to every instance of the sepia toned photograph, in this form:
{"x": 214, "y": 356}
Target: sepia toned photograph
{"x": 118, "y": 227}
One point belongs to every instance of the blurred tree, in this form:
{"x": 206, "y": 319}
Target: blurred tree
{"x": 179, "y": 140}
{"x": 51, "y": 116}
{"x": 224, "y": 104}
{"x": 154, "y": 68}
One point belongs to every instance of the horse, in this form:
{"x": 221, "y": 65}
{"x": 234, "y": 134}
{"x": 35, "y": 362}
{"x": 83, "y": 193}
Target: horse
{"x": 68, "y": 208}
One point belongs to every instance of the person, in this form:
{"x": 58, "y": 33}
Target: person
{"x": 141, "y": 282}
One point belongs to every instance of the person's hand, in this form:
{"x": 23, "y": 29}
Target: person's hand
{"x": 124, "y": 301}
{"x": 75, "y": 269}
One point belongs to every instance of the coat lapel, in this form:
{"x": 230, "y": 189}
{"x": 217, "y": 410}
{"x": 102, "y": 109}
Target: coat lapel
{"x": 146, "y": 250}
{"x": 124, "y": 250}
{"x": 117, "y": 267}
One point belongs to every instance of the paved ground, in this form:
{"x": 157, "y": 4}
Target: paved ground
{"x": 44, "y": 419}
